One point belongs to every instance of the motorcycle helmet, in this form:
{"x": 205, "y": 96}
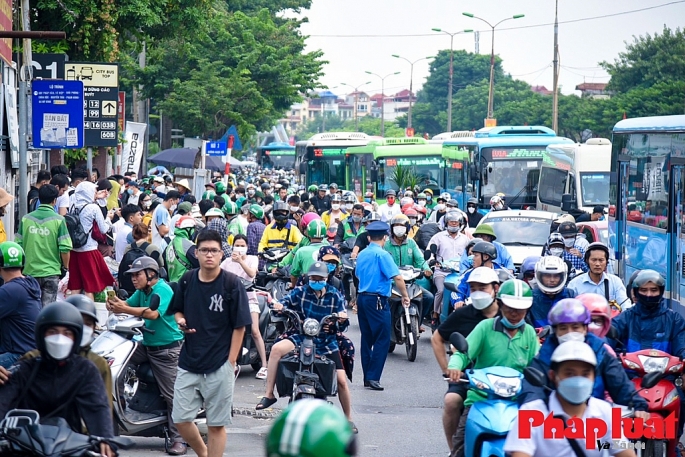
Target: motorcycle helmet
{"x": 281, "y": 210}
{"x": 220, "y": 188}
{"x": 230, "y": 208}
{"x": 412, "y": 214}
{"x": 573, "y": 350}
{"x": 11, "y": 255}
{"x": 452, "y": 203}
{"x": 527, "y": 270}
{"x": 312, "y": 188}
{"x": 502, "y": 196}
{"x": 323, "y": 187}
{"x": 596, "y": 246}
{"x": 642, "y": 278}
{"x": 484, "y": 247}
{"x": 311, "y": 428}
{"x": 63, "y": 314}
{"x": 406, "y": 201}
{"x": 349, "y": 198}
{"x": 444, "y": 197}
{"x": 84, "y": 304}
{"x": 257, "y": 211}
{"x": 372, "y": 217}
{"x": 569, "y": 311}
{"x": 600, "y": 313}
{"x": 454, "y": 216}
{"x": 208, "y": 195}
{"x": 496, "y": 203}
{"x": 307, "y": 218}
{"x": 186, "y": 222}
{"x": 265, "y": 186}
{"x": 515, "y": 294}
{"x": 483, "y": 275}
{"x": 316, "y": 229}
{"x": 485, "y": 229}
{"x": 551, "y": 266}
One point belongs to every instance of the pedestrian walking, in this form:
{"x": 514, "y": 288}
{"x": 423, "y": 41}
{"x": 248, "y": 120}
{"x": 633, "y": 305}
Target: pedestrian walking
{"x": 376, "y": 270}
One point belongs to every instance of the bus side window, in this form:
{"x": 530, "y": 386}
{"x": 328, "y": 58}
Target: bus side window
{"x": 552, "y": 185}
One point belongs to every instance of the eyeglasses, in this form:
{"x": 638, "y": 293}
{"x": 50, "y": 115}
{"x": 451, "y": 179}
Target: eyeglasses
{"x": 212, "y": 252}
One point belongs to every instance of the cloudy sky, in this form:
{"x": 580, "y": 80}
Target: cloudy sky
{"x": 527, "y": 50}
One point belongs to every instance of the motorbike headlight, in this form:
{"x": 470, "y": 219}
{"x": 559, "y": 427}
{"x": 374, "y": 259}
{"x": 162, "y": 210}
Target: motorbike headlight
{"x": 676, "y": 368}
{"x": 671, "y": 397}
{"x": 630, "y": 364}
{"x": 310, "y": 327}
{"x": 504, "y": 387}
{"x": 112, "y": 322}
{"x": 652, "y": 364}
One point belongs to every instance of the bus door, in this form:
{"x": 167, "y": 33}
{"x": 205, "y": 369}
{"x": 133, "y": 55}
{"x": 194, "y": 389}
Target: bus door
{"x": 677, "y": 228}
{"x": 356, "y": 174}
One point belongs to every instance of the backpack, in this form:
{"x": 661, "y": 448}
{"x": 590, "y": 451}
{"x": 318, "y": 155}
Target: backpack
{"x": 134, "y": 253}
{"x": 425, "y": 233}
{"x": 78, "y": 235}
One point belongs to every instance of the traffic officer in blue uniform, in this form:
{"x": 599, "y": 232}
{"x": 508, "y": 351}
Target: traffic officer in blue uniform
{"x": 376, "y": 271}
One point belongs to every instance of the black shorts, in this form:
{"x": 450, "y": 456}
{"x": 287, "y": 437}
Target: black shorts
{"x": 335, "y": 356}
{"x": 460, "y": 388}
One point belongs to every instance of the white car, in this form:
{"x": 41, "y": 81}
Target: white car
{"x": 523, "y": 232}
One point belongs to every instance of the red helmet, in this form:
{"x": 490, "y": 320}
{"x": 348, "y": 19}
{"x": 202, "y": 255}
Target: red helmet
{"x": 411, "y": 212}
{"x": 406, "y": 207}
{"x": 421, "y": 209}
{"x": 598, "y": 307}
{"x": 367, "y": 206}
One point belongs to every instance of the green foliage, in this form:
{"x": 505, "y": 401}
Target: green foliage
{"x": 404, "y": 177}
{"x": 367, "y": 124}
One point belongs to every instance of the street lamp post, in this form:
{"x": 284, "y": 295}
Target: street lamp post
{"x": 491, "y": 92}
{"x": 356, "y": 98}
{"x": 382, "y": 78}
{"x": 449, "y": 89}
{"x": 411, "y": 79}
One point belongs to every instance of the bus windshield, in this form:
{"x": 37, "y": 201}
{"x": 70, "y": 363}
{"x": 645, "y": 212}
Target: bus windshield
{"x": 594, "y": 188}
{"x": 279, "y": 159}
{"x": 514, "y": 229}
{"x": 428, "y": 169}
{"x": 326, "y": 165}
{"x": 513, "y": 171}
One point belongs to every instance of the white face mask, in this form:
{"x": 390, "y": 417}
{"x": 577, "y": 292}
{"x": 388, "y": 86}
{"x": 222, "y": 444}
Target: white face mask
{"x": 440, "y": 207}
{"x": 471, "y": 209}
{"x": 481, "y": 300}
{"x": 87, "y": 336}
{"x": 173, "y": 208}
{"x": 557, "y": 252}
{"x": 422, "y": 202}
{"x": 240, "y": 250}
{"x": 399, "y": 231}
{"x": 294, "y": 208}
{"x": 58, "y": 346}
{"x": 571, "y": 336}
{"x": 102, "y": 201}
{"x": 348, "y": 206}
{"x": 250, "y": 192}
{"x": 335, "y": 206}
{"x": 146, "y": 204}
{"x": 569, "y": 242}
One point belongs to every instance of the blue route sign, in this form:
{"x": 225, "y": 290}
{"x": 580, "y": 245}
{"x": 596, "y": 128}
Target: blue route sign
{"x": 217, "y": 148}
{"x": 58, "y": 110}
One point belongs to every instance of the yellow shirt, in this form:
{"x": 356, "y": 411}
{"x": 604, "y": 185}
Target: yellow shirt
{"x": 3, "y": 233}
{"x": 326, "y": 218}
{"x": 287, "y": 237}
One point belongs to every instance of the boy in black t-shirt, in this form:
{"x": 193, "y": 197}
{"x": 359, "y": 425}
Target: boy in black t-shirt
{"x": 211, "y": 307}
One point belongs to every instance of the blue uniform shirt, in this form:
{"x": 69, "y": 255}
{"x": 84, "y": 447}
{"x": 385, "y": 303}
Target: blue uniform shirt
{"x": 375, "y": 270}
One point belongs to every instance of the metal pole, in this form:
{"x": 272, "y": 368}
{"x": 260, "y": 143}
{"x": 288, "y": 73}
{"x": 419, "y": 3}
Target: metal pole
{"x": 382, "y": 107}
{"x": 449, "y": 89}
{"x": 146, "y": 148}
{"x": 555, "y": 97}
{"x": 89, "y": 163}
{"x": 492, "y": 77}
{"x": 356, "y": 102}
{"x": 25, "y": 76}
{"x": 411, "y": 80}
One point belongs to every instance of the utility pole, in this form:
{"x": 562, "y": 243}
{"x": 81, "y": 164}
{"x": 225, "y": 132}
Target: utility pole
{"x": 477, "y": 39}
{"x": 382, "y": 78}
{"x": 411, "y": 81}
{"x": 555, "y": 96}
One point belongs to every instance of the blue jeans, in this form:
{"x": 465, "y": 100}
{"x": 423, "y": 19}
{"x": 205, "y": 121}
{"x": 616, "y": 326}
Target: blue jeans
{"x": 374, "y": 325}
{"x": 426, "y": 305}
{"x": 8, "y": 359}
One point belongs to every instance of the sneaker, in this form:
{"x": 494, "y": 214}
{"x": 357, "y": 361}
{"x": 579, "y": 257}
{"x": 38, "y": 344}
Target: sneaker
{"x": 261, "y": 374}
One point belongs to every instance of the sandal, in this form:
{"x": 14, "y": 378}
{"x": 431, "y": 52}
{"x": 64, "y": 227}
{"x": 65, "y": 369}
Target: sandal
{"x": 354, "y": 427}
{"x": 265, "y": 403}
{"x": 261, "y": 374}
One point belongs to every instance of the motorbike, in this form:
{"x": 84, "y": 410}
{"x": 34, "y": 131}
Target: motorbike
{"x": 22, "y": 432}
{"x": 489, "y": 421}
{"x": 139, "y": 408}
{"x": 275, "y": 283}
{"x": 348, "y": 267}
{"x": 302, "y": 373}
{"x": 452, "y": 282}
{"x": 405, "y": 321}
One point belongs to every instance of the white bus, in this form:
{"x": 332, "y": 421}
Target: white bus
{"x": 441, "y": 137}
{"x": 579, "y": 169}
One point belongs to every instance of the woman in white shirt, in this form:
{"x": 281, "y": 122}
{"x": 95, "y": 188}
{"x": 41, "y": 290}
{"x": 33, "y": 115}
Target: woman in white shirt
{"x": 245, "y": 266}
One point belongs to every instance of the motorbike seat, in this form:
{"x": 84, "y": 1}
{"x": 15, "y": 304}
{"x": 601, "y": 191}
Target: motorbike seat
{"x": 145, "y": 374}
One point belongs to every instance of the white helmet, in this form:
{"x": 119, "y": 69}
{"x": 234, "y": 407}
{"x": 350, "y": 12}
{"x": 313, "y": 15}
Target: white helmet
{"x": 445, "y": 196}
{"x": 409, "y": 193}
{"x": 551, "y": 265}
{"x": 483, "y": 275}
{"x": 574, "y": 350}
{"x": 406, "y": 201}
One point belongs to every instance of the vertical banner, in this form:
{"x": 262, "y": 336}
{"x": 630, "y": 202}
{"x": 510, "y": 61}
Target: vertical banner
{"x": 134, "y": 142}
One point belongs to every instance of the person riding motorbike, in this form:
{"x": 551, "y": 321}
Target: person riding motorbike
{"x": 527, "y": 270}
{"x": 390, "y": 208}
{"x": 484, "y": 255}
{"x": 306, "y": 255}
{"x": 485, "y": 232}
{"x": 283, "y": 233}
{"x": 570, "y": 321}
{"x": 550, "y": 278}
{"x": 362, "y": 242}
{"x": 600, "y": 312}
{"x": 473, "y": 216}
{"x": 336, "y": 215}
{"x": 575, "y": 245}
{"x": 180, "y": 255}
{"x": 440, "y": 208}
{"x": 413, "y": 217}
{"x": 235, "y": 227}
{"x": 351, "y": 226}
{"x": 504, "y": 340}
{"x": 496, "y": 204}
{"x": 321, "y": 200}
{"x": 597, "y": 280}
{"x": 555, "y": 247}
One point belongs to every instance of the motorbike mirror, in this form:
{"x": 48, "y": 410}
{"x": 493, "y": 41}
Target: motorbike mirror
{"x": 535, "y": 377}
{"x": 154, "y": 302}
{"x": 451, "y": 286}
{"x": 544, "y": 333}
{"x": 433, "y": 248}
{"x": 459, "y": 342}
{"x": 427, "y": 255}
{"x": 651, "y": 379}
{"x": 612, "y": 333}
{"x": 122, "y": 294}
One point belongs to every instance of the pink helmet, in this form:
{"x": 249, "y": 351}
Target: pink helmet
{"x": 598, "y": 307}
{"x": 307, "y": 218}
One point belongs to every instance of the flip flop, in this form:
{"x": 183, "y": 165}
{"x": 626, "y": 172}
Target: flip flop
{"x": 265, "y": 403}
{"x": 354, "y": 427}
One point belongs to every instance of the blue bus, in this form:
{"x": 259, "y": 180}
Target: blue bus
{"x": 507, "y": 159}
{"x": 276, "y": 156}
{"x": 647, "y": 190}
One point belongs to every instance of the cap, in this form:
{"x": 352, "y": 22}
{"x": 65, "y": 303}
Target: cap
{"x": 377, "y": 227}
{"x": 185, "y": 208}
{"x": 599, "y": 209}
{"x": 210, "y": 184}
{"x": 329, "y": 252}
{"x": 318, "y": 269}
{"x": 574, "y": 350}
{"x": 143, "y": 263}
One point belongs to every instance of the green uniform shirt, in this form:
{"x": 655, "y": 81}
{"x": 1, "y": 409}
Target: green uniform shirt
{"x": 305, "y": 258}
{"x": 288, "y": 259}
{"x": 348, "y": 229}
{"x": 407, "y": 253}
{"x": 491, "y": 346}
{"x": 165, "y": 327}
{"x": 43, "y": 234}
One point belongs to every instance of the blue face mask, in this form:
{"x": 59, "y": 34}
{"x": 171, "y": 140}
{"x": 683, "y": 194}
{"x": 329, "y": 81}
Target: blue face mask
{"x": 331, "y": 267}
{"x": 602, "y": 218}
{"x": 317, "y": 285}
{"x": 367, "y": 200}
{"x": 129, "y": 191}
{"x": 511, "y": 326}
{"x": 575, "y": 390}
{"x": 469, "y": 261}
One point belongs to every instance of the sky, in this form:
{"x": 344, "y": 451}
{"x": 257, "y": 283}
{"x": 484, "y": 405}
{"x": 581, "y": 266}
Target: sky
{"x": 527, "y": 53}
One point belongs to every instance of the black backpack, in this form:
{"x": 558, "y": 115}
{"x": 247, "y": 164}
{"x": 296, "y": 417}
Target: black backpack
{"x": 78, "y": 235}
{"x": 425, "y": 233}
{"x": 134, "y": 253}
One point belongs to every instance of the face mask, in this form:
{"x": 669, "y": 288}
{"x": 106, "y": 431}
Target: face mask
{"x": 499, "y": 206}
{"x": 412, "y": 222}
{"x": 331, "y": 267}
{"x": 368, "y": 200}
{"x": 317, "y": 285}
{"x": 173, "y": 208}
{"x": 429, "y": 198}
{"x": 129, "y": 191}
{"x": 240, "y": 250}
{"x": 440, "y": 207}
{"x": 469, "y": 261}
{"x": 471, "y": 209}
{"x": 294, "y": 208}
{"x": 558, "y": 252}
{"x": 452, "y": 229}
{"x": 422, "y": 202}
{"x": 58, "y": 346}
{"x": 399, "y": 231}
{"x": 87, "y": 336}
{"x": 356, "y": 219}
{"x": 571, "y": 336}
{"x": 146, "y": 204}
{"x": 575, "y": 390}
{"x": 602, "y": 218}
{"x": 102, "y": 201}
{"x": 569, "y": 242}
{"x": 511, "y": 326}
{"x": 335, "y": 206}
{"x": 390, "y": 201}
{"x": 348, "y": 206}
{"x": 594, "y": 328}
{"x": 481, "y": 300}
{"x": 250, "y": 192}
{"x": 648, "y": 302}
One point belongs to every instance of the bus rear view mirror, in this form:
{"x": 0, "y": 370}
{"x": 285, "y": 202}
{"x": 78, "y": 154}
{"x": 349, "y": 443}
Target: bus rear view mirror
{"x": 303, "y": 168}
{"x": 566, "y": 202}
{"x": 374, "y": 174}
{"x": 473, "y": 172}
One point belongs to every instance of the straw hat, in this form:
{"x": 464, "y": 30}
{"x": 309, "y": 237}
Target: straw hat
{"x": 5, "y": 198}
{"x": 183, "y": 183}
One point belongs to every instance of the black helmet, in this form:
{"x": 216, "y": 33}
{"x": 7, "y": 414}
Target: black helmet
{"x": 265, "y": 186}
{"x": 390, "y": 192}
{"x": 84, "y": 304}
{"x": 596, "y": 246}
{"x": 645, "y": 276}
{"x": 281, "y": 206}
{"x": 487, "y": 248}
{"x": 471, "y": 244}
{"x": 567, "y": 228}
{"x": 59, "y": 313}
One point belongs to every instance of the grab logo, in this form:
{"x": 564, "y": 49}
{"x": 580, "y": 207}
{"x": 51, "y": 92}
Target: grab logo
{"x": 42, "y": 231}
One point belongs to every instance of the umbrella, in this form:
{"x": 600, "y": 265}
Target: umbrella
{"x": 189, "y": 158}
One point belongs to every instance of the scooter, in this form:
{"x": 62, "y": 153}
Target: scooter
{"x": 302, "y": 373}
{"x": 23, "y": 433}
{"x": 452, "y": 281}
{"x": 489, "y": 421}
{"x": 348, "y": 267}
{"x": 405, "y": 321}
{"x": 275, "y": 283}
{"x": 139, "y": 408}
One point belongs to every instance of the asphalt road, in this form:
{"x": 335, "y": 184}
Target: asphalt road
{"x": 403, "y": 420}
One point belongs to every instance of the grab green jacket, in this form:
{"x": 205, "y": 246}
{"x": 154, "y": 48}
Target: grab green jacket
{"x": 44, "y": 236}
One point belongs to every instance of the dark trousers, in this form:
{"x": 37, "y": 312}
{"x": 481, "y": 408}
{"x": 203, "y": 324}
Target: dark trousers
{"x": 374, "y": 324}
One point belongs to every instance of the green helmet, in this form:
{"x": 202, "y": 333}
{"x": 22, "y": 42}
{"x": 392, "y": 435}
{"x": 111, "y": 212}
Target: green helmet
{"x": 311, "y": 428}
{"x": 220, "y": 188}
{"x": 230, "y": 207}
{"x": 257, "y": 211}
{"x": 515, "y": 294}
{"x": 421, "y": 196}
{"x": 313, "y": 188}
{"x": 208, "y": 195}
{"x": 11, "y": 255}
{"x": 316, "y": 229}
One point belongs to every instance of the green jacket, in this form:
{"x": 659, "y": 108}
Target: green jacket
{"x": 490, "y": 346}
{"x": 177, "y": 257}
{"x": 408, "y": 253}
{"x": 288, "y": 259}
{"x": 347, "y": 223}
{"x": 305, "y": 258}
{"x": 44, "y": 236}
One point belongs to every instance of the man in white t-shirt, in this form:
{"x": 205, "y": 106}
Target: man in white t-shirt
{"x": 573, "y": 371}
{"x": 161, "y": 219}
{"x": 130, "y": 215}
{"x": 62, "y": 183}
